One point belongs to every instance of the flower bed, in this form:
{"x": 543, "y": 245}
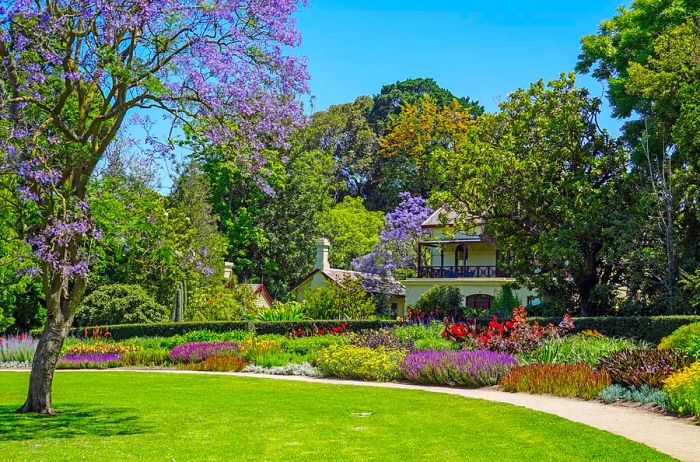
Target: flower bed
{"x": 457, "y": 368}
{"x": 99, "y": 348}
{"x": 17, "y": 349}
{"x": 363, "y": 363}
{"x": 89, "y": 361}
{"x": 683, "y": 390}
{"x": 199, "y": 351}
{"x": 574, "y": 380}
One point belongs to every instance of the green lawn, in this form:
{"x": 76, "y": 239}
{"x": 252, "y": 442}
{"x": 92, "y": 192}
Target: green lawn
{"x": 118, "y": 416}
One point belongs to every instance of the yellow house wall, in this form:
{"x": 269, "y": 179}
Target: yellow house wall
{"x": 317, "y": 280}
{"x": 479, "y": 254}
{"x": 467, "y": 286}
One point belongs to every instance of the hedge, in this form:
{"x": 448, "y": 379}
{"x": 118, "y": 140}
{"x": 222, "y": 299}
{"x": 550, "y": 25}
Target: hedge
{"x": 125, "y": 331}
{"x": 651, "y": 329}
{"x": 648, "y": 328}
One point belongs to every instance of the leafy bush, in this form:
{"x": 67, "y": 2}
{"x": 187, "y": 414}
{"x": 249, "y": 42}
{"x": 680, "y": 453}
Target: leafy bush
{"x": 218, "y": 363}
{"x": 683, "y": 390}
{"x": 345, "y": 300}
{"x": 456, "y": 368}
{"x": 644, "y": 395}
{"x": 146, "y": 358}
{"x": 576, "y": 349}
{"x": 219, "y": 303}
{"x": 575, "y": 380}
{"x": 290, "y": 311}
{"x": 310, "y": 345}
{"x": 354, "y": 362}
{"x": 425, "y": 336}
{"x": 443, "y": 300}
{"x": 305, "y": 369}
{"x": 638, "y": 367}
{"x": 381, "y": 338}
{"x": 505, "y": 301}
{"x": 89, "y": 361}
{"x": 686, "y": 338}
{"x": 199, "y": 351}
{"x": 170, "y": 329}
{"x": 119, "y": 304}
{"x": 18, "y": 348}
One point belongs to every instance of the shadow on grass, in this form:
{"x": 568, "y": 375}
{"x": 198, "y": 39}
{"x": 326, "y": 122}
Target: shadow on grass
{"x": 72, "y": 421}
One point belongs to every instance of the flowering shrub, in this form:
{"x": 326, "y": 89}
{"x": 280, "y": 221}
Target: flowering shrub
{"x": 381, "y": 338}
{"x": 514, "y": 336}
{"x": 456, "y": 368}
{"x": 644, "y": 395}
{"x": 418, "y": 316}
{"x": 576, "y": 349}
{"x": 355, "y": 362}
{"x": 199, "y": 351}
{"x": 89, "y": 361}
{"x": 639, "y": 367}
{"x": 99, "y": 348}
{"x": 575, "y": 380}
{"x": 18, "y": 348}
{"x": 686, "y": 338}
{"x": 683, "y": 390}
{"x": 218, "y": 363}
{"x": 336, "y": 330}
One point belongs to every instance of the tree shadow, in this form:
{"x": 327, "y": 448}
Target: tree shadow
{"x": 71, "y": 422}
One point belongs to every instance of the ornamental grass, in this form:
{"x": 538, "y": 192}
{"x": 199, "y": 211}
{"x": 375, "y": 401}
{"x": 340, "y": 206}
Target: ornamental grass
{"x": 195, "y": 352}
{"x": 217, "y": 363}
{"x": 683, "y": 390}
{"x": 639, "y": 367}
{"x": 457, "y": 368}
{"x": 575, "y": 349}
{"x": 18, "y": 348}
{"x": 574, "y": 380}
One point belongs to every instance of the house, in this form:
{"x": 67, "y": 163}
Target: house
{"x": 323, "y": 274}
{"x": 263, "y": 299}
{"x": 467, "y": 259}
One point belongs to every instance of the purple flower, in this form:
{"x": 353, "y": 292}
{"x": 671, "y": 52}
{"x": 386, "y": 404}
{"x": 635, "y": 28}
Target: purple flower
{"x": 91, "y": 358}
{"x": 457, "y": 368}
{"x": 199, "y": 351}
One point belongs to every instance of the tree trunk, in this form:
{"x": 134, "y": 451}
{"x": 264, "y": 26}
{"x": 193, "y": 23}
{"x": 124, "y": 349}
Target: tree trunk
{"x": 59, "y": 318}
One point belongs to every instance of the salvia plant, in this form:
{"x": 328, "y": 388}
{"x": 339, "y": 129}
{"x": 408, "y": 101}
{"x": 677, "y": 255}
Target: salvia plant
{"x": 457, "y": 368}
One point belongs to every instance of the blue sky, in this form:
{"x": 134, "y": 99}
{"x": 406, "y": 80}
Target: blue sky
{"x": 479, "y": 49}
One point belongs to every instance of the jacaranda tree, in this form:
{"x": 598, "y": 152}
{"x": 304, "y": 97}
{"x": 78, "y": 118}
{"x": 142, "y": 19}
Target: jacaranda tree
{"x": 73, "y": 71}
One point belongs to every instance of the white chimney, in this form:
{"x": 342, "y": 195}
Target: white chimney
{"x": 228, "y": 270}
{"x": 322, "y": 247}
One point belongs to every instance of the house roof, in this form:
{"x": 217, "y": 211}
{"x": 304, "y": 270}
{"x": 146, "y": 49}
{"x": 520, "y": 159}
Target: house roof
{"x": 374, "y": 283}
{"x": 445, "y": 216}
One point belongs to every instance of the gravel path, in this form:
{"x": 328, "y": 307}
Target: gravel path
{"x": 670, "y": 435}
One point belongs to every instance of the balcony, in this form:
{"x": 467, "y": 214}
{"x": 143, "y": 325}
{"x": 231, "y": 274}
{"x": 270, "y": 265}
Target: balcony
{"x": 461, "y": 272}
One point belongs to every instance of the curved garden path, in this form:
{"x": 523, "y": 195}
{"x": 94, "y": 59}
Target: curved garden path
{"x": 670, "y": 435}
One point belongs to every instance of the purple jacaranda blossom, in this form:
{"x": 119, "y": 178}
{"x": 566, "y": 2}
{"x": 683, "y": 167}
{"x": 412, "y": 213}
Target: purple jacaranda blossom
{"x": 460, "y": 368}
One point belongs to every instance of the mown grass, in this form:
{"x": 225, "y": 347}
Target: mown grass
{"x": 185, "y": 417}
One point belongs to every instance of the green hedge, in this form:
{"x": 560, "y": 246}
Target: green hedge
{"x": 125, "y": 331}
{"x": 648, "y": 328}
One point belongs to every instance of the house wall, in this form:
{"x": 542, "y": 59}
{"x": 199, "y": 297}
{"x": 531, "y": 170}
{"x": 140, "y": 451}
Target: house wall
{"x": 467, "y": 286}
{"x": 261, "y": 301}
{"x": 317, "y": 280}
{"x": 478, "y": 254}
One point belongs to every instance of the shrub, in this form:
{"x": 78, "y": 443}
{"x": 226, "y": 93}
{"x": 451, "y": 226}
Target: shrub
{"x": 346, "y": 300}
{"x": 19, "y": 348}
{"x": 638, "y": 367}
{"x": 574, "y": 380}
{"x": 89, "y": 361}
{"x": 425, "y": 336}
{"x": 305, "y": 369}
{"x": 576, "y": 349}
{"x": 683, "y": 390}
{"x": 310, "y": 345}
{"x": 146, "y": 358}
{"x": 381, "y": 338}
{"x": 219, "y": 303}
{"x": 199, "y": 351}
{"x": 217, "y": 363}
{"x": 98, "y": 348}
{"x": 354, "y": 362}
{"x": 686, "y": 338}
{"x": 505, "y": 301}
{"x": 442, "y": 300}
{"x": 644, "y": 395}
{"x": 119, "y": 304}
{"x": 456, "y": 368}
{"x": 290, "y": 311}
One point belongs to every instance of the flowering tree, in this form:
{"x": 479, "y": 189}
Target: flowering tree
{"x": 396, "y": 254}
{"x": 72, "y": 70}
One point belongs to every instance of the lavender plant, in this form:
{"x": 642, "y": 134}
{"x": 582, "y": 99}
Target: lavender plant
{"x": 199, "y": 351}
{"x": 457, "y": 368}
{"x": 19, "y": 348}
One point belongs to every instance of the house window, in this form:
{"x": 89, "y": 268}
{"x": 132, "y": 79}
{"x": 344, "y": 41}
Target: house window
{"x": 481, "y": 301}
{"x": 461, "y": 255}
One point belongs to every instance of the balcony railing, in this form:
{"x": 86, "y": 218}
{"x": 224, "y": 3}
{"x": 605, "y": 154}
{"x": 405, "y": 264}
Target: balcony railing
{"x": 460, "y": 272}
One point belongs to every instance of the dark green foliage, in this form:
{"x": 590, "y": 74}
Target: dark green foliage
{"x": 117, "y": 304}
{"x": 444, "y": 300}
{"x": 643, "y": 367}
{"x": 168, "y": 329}
{"x": 505, "y": 301}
